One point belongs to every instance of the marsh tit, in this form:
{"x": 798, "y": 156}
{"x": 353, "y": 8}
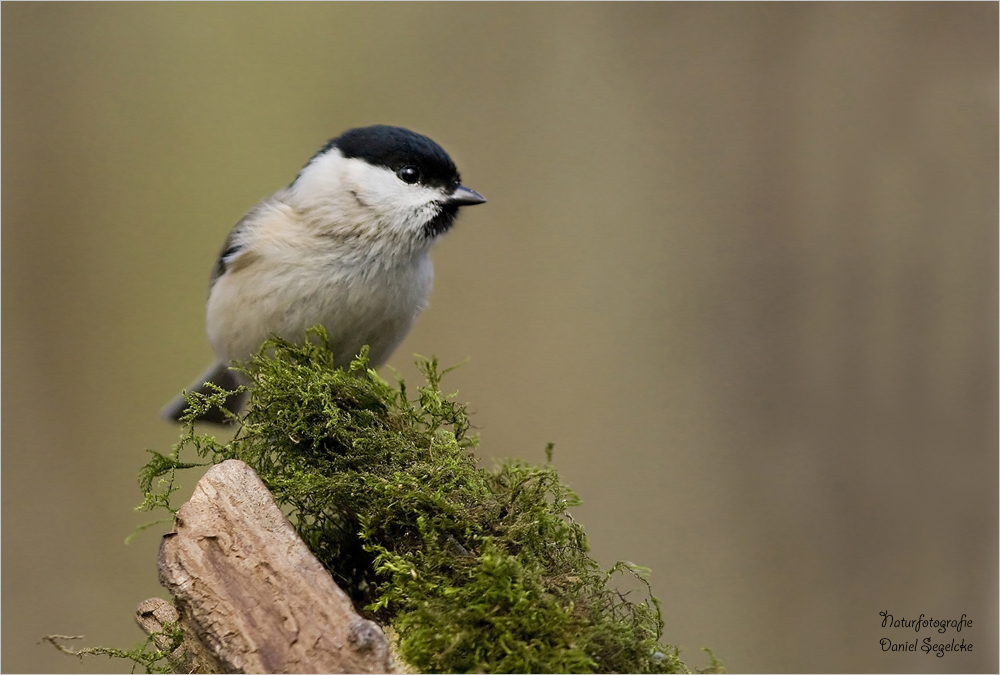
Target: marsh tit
{"x": 346, "y": 245}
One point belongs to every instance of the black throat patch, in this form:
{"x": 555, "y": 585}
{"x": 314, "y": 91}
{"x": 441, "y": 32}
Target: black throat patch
{"x": 442, "y": 222}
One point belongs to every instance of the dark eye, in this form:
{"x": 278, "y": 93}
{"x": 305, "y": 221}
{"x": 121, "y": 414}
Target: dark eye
{"x": 409, "y": 174}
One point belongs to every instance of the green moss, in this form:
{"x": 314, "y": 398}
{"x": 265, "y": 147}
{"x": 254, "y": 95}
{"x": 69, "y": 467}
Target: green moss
{"x": 147, "y": 655}
{"x": 475, "y": 570}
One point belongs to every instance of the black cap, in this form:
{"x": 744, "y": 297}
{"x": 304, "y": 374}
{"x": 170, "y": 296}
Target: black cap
{"x": 394, "y": 148}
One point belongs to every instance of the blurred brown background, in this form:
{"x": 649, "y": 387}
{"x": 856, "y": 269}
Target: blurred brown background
{"x": 739, "y": 263}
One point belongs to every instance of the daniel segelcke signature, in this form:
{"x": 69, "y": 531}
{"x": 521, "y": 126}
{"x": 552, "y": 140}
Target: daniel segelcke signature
{"x": 928, "y": 647}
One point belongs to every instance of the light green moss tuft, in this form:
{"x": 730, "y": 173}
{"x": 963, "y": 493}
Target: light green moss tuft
{"x": 475, "y": 570}
{"x": 148, "y": 655}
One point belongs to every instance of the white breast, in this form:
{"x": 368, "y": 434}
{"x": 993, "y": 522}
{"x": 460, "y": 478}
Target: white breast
{"x": 287, "y": 278}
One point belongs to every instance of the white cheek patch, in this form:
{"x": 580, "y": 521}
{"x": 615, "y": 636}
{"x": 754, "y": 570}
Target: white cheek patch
{"x": 379, "y": 185}
{"x": 350, "y": 195}
{"x": 395, "y": 203}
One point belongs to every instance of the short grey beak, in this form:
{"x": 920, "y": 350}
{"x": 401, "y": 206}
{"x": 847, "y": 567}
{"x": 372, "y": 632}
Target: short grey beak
{"x": 463, "y": 196}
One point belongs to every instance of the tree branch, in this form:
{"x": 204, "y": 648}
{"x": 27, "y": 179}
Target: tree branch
{"x": 250, "y": 596}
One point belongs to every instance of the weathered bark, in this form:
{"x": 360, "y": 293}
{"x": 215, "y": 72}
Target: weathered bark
{"x": 251, "y": 597}
{"x": 192, "y": 656}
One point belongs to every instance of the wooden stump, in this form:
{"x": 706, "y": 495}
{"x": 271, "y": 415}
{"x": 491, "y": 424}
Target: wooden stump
{"x": 250, "y": 596}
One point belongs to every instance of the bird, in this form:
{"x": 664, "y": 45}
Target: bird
{"x": 346, "y": 245}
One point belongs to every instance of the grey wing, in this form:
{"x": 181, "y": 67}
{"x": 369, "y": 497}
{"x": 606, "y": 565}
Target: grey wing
{"x": 234, "y": 244}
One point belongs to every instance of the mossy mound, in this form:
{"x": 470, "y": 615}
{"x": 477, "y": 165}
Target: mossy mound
{"x": 476, "y": 570}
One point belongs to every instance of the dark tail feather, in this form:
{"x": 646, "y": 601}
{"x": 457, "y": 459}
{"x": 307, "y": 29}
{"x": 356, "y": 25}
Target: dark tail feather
{"x": 218, "y": 374}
